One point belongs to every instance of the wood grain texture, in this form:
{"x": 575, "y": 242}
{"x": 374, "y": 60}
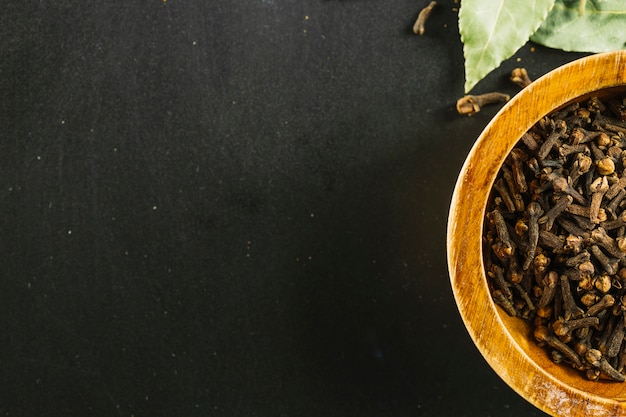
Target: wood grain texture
{"x": 505, "y": 342}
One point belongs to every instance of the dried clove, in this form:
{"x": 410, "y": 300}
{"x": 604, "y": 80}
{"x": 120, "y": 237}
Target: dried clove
{"x": 614, "y": 343}
{"x": 520, "y": 77}
{"x": 497, "y": 274}
{"x": 503, "y": 233}
{"x": 549, "y": 290}
{"x": 601, "y": 237}
{"x": 610, "y": 265}
{"x": 505, "y": 195}
{"x": 594, "y": 358}
{"x": 518, "y": 201}
{"x": 612, "y": 206}
{"x": 516, "y": 159}
{"x": 562, "y": 185}
{"x": 598, "y": 187}
{"x": 571, "y": 310}
{"x": 424, "y": 14}
{"x": 551, "y": 215}
{"x": 500, "y": 299}
{"x": 562, "y": 327}
{"x": 470, "y": 104}
{"x": 607, "y": 301}
{"x": 542, "y": 334}
{"x": 534, "y": 211}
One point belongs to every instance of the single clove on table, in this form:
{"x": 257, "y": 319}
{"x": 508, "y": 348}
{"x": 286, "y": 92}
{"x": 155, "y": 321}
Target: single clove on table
{"x": 472, "y": 104}
{"x": 520, "y": 77}
{"x": 555, "y": 235}
{"x": 424, "y": 14}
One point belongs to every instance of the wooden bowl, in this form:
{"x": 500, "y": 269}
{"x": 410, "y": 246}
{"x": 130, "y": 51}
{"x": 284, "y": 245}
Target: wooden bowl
{"x": 506, "y": 342}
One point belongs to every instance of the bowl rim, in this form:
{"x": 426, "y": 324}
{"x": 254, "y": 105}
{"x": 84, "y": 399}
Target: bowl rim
{"x": 486, "y": 326}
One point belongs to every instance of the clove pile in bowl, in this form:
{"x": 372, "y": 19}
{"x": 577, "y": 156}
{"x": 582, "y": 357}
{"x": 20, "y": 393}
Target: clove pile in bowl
{"x": 555, "y": 235}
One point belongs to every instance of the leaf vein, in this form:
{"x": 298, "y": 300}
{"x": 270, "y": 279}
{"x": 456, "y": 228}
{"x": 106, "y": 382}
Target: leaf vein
{"x": 493, "y": 29}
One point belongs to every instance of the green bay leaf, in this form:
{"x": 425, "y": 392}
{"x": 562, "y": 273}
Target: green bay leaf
{"x": 597, "y": 26}
{"x": 493, "y": 30}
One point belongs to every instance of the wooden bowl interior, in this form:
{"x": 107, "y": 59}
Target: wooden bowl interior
{"x": 521, "y": 332}
{"x": 506, "y": 342}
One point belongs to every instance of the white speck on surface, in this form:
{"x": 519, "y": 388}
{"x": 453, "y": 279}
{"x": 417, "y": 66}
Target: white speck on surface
{"x": 154, "y": 207}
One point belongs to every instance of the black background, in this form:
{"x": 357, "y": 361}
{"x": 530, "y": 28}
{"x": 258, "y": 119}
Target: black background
{"x": 236, "y": 208}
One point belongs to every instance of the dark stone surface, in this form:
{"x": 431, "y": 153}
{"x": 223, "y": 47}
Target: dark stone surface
{"x": 236, "y": 208}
